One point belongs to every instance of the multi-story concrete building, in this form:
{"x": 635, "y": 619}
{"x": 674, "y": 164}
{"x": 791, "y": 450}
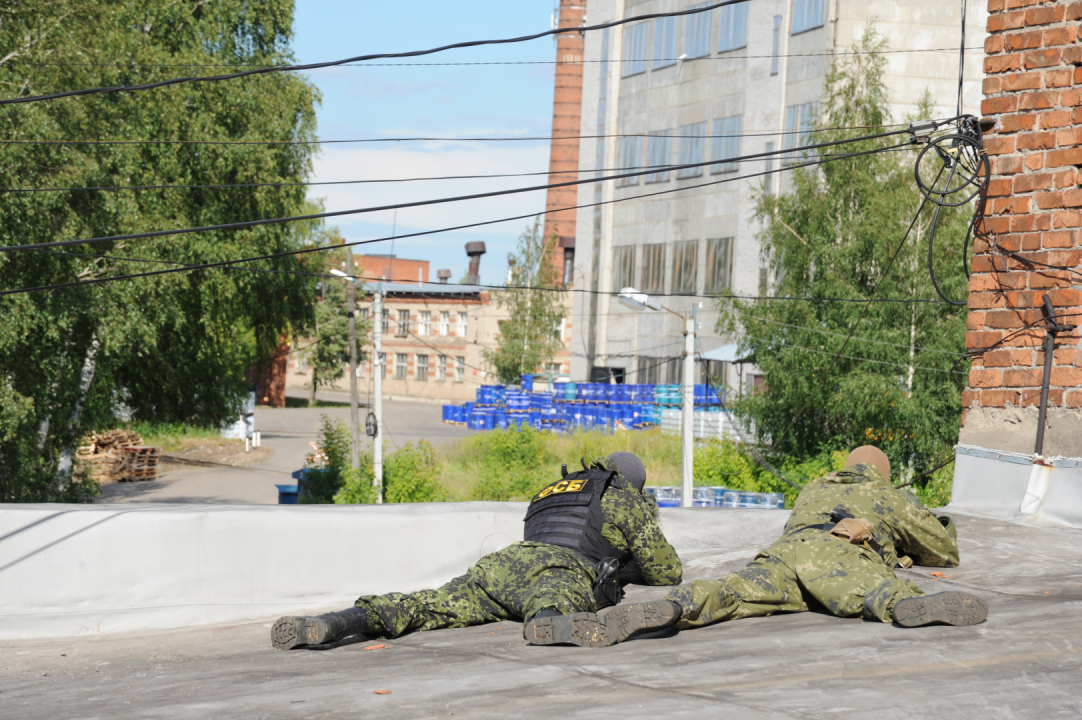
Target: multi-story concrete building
{"x": 709, "y": 87}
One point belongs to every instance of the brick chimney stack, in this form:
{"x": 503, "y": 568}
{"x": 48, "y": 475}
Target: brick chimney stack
{"x": 1033, "y": 89}
{"x": 566, "y": 128}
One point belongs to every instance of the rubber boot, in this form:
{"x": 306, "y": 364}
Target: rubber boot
{"x": 297, "y": 631}
{"x": 551, "y": 627}
{"x": 949, "y": 608}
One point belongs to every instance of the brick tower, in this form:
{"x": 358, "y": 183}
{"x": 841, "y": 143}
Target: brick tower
{"x": 1033, "y": 90}
{"x": 564, "y": 151}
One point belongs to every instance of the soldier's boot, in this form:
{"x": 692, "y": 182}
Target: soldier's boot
{"x": 551, "y": 627}
{"x": 950, "y": 608}
{"x": 625, "y": 622}
{"x": 297, "y": 631}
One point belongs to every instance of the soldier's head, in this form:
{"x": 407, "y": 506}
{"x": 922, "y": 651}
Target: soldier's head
{"x": 870, "y": 455}
{"x": 631, "y": 468}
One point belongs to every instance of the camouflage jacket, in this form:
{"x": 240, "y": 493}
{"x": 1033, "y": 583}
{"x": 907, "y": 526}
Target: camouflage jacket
{"x": 903, "y": 526}
{"x": 632, "y": 525}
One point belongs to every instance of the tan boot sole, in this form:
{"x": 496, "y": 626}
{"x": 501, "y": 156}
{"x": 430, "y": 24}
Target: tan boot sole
{"x": 949, "y": 608}
{"x": 582, "y": 629}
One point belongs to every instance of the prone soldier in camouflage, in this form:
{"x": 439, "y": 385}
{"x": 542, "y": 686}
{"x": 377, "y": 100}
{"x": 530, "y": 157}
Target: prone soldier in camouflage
{"x": 847, "y": 532}
{"x": 586, "y": 536}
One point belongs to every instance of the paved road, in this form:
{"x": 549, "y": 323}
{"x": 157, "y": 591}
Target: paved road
{"x": 1024, "y": 662}
{"x": 288, "y": 432}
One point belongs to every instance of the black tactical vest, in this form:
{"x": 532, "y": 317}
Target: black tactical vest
{"x": 568, "y": 513}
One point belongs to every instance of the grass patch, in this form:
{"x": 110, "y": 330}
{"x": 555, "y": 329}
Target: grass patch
{"x": 296, "y": 402}
{"x": 176, "y": 436}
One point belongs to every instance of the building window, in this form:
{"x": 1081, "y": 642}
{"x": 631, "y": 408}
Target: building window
{"x": 733, "y": 29}
{"x": 675, "y": 371}
{"x": 690, "y": 150}
{"x": 627, "y": 158}
{"x": 383, "y": 365}
{"x": 808, "y": 14}
{"x": 764, "y": 281}
{"x": 664, "y": 42}
{"x": 647, "y": 369}
{"x": 400, "y": 363}
{"x": 445, "y": 323}
{"x": 685, "y": 257}
{"x": 552, "y": 368}
{"x": 775, "y": 45}
{"x": 460, "y": 369}
{"x": 569, "y": 266}
{"x": 403, "y": 327}
{"x": 462, "y": 324}
{"x": 441, "y": 368}
{"x": 768, "y": 165}
{"x": 424, "y": 326}
{"x": 635, "y": 49}
{"x": 385, "y": 321}
{"x": 719, "y": 264}
{"x": 726, "y": 144}
{"x": 658, "y": 155}
{"x": 697, "y": 32}
{"x": 420, "y": 368}
{"x": 653, "y": 268}
{"x": 799, "y": 121}
{"x": 364, "y": 314}
{"x": 623, "y": 267}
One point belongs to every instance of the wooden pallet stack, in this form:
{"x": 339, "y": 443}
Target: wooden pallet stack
{"x": 117, "y": 456}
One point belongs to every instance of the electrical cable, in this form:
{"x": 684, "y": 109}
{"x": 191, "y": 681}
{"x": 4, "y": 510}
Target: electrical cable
{"x": 476, "y": 196}
{"x": 365, "y": 58}
{"x": 302, "y": 251}
{"x": 725, "y": 56}
{"x": 434, "y": 138}
{"x": 962, "y": 58}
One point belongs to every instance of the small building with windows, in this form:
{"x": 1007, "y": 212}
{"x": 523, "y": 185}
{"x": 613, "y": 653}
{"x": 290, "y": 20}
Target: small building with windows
{"x": 705, "y": 89}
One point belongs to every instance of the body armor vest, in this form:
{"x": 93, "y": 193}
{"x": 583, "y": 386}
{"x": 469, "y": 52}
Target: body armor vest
{"x": 568, "y": 514}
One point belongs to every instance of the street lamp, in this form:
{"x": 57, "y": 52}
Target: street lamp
{"x": 631, "y": 298}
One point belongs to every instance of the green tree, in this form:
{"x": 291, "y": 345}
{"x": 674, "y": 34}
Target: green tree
{"x": 898, "y": 382}
{"x": 172, "y": 348}
{"x": 530, "y": 335}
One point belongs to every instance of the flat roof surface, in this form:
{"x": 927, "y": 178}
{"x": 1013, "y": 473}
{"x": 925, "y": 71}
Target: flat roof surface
{"x": 1024, "y": 662}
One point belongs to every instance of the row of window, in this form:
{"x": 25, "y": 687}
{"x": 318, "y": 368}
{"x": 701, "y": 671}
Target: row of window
{"x": 800, "y": 119}
{"x": 645, "y": 271}
{"x": 424, "y": 323}
{"x": 421, "y": 366}
{"x": 732, "y": 34}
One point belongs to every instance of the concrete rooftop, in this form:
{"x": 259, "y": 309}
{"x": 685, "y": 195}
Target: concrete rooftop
{"x": 1024, "y": 662}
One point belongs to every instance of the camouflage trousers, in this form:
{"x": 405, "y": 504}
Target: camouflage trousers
{"x": 510, "y": 584}
{"x": 848, "y": 580}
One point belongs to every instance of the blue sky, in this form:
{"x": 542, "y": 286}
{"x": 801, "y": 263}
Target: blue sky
{"x": 441, "y": 101}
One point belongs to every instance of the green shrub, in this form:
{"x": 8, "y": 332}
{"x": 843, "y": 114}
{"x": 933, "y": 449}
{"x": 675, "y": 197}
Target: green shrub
{"x": 326, "y": 473}
{"x": 357, "y": 487}
{"x": 411, "y": 475}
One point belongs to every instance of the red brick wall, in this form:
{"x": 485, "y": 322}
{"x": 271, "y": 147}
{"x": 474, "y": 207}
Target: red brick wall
{"x": 1033, "y": 89}
{"x": 393, "y": 269}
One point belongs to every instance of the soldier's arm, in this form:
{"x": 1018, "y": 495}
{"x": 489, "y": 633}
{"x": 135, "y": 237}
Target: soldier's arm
{"x": 655, "y": 559}
{"x": 923, "y": 536}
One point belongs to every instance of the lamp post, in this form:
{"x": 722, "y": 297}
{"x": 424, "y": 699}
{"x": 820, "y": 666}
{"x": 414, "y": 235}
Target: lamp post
{"x": 632, "y": 298}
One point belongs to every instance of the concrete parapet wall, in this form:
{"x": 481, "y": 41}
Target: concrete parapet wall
{"x": 81, "y": 570}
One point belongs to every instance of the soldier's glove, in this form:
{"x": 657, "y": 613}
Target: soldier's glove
{"x": 853, "y": 530}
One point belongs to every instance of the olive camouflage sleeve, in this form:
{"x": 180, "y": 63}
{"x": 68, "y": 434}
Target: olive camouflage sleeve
{"x": 923, "y": 537}
{"x": 636, "y": 519}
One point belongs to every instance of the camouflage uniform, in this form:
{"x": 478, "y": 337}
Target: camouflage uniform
{"x": 808, "y": 565}
{"x": 527, "y": 577}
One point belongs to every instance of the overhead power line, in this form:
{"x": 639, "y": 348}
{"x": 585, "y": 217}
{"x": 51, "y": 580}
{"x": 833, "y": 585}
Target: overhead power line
{"x": 302, "y": 251}
{"x": 437, "y": 138}
{"x": 724, "y": 56}
{"x": 364, "y": 58}
{"x": 457, "y": 198}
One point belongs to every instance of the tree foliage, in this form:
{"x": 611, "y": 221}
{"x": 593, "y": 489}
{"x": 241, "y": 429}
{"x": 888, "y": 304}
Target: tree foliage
{"x": 173, "y": 348}
{"x": 898, "y": 382}
{"x": 529, "y": 337}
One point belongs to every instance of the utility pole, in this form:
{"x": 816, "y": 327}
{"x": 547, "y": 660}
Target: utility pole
{"x": 354, "y": 411}
{"x": 377, "y": 400}
{"x": 687, "y": 416}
